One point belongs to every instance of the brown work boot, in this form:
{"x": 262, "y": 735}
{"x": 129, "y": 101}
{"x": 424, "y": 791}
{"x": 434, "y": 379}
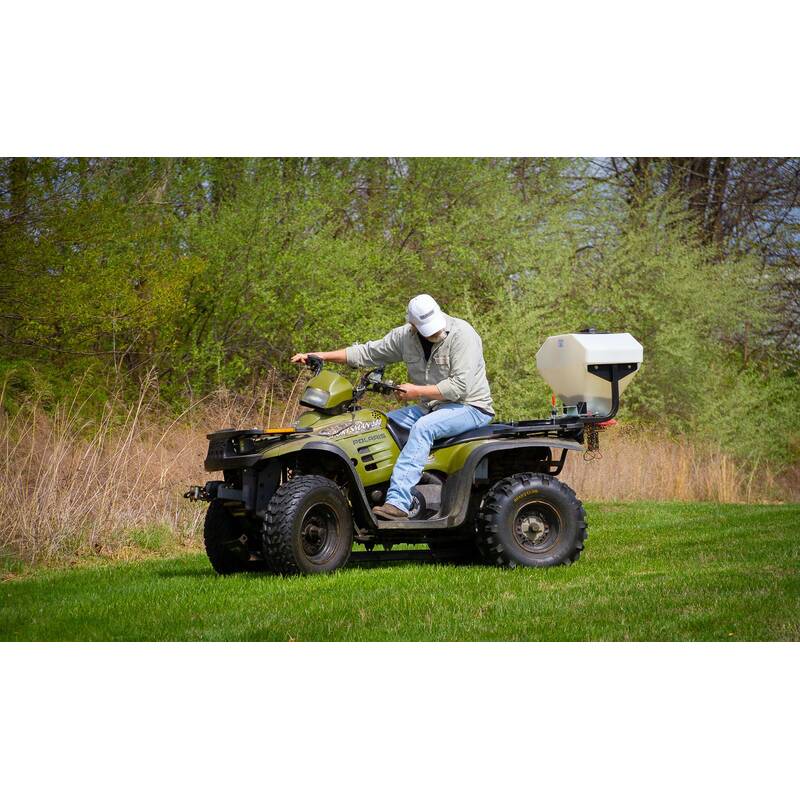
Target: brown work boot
{"x": 388, "y": 511}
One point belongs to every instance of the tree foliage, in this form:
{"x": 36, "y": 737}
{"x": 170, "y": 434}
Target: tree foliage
{"x": 214, "y": 271}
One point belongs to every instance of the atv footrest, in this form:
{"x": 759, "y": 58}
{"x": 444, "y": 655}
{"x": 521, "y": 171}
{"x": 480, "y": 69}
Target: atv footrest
{"x": 412, "y": 524}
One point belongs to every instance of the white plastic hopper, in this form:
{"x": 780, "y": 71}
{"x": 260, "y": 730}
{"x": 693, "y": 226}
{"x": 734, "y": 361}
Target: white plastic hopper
{"x": 564, "y": 361}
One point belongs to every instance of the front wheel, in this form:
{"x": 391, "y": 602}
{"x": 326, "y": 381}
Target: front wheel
{"x": 225, "y": 540}
{"x": 309, "y": 527}
{"x": 532, "y": 520}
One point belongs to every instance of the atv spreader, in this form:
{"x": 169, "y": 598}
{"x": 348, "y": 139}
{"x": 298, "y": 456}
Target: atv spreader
{"x": 296, "y": 499}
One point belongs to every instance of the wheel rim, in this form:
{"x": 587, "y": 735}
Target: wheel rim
{"x": 536, "y": 527}
{"x": 319, "y": 533}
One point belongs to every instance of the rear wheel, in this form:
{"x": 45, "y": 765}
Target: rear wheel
{"x": 532, "y": 520}
{"x": 225, "y": 540}
{"x": 309, "y": 527}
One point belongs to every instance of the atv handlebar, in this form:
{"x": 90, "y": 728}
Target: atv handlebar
{"x": 384, "y": 387}
{"x": 314, "y": 363}
{"x": 373, "y": 381}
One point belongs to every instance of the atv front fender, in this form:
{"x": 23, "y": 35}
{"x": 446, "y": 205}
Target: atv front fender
{"x": 361, "y": 507}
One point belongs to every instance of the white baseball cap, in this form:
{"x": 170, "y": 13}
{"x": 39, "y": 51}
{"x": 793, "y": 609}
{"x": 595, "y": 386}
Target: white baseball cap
{"x": 425, "y": 315}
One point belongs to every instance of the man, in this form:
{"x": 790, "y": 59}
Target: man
{"x": 444, "y": 356}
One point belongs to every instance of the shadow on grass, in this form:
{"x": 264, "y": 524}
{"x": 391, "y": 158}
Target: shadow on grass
{"x": 357, "y": 562}
{"x": 184, "y": 572}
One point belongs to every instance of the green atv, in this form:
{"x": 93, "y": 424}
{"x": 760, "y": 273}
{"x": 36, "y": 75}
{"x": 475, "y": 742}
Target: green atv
{"x": 295, "y": 500}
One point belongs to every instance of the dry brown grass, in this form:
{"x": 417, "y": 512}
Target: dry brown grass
{"x": 68, "y": 487}
{"x": 647, "y": 466}
{"x": 115, "y": 487}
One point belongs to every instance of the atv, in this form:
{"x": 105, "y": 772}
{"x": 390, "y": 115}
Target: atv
{"x": 295, "y": 499}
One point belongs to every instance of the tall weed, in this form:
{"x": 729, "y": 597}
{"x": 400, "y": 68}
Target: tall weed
{"x": 114, "y": 486}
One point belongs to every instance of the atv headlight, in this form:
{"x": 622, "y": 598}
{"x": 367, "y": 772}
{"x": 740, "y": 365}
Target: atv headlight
{"x": 315, "y": 398}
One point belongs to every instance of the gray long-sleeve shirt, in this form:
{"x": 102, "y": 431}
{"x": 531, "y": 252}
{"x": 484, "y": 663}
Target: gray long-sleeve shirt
{"x": 455, "y": 366}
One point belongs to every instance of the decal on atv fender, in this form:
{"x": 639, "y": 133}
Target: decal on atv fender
{"x": 342, "y": 429}
{"x": 375, "y": 437}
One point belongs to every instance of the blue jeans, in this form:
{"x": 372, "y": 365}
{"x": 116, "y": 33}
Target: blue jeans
{"x": 449, "y": 419}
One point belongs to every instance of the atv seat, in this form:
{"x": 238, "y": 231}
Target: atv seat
{"x": 398, "y": 432}
{"x": 492, "y": 431}
{"x": 495, "y": 430}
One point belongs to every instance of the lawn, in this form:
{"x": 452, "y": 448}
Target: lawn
{"x": 651, "y": 571}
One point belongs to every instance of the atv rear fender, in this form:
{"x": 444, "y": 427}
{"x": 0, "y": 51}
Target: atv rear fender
{"x": 484, "y": 463}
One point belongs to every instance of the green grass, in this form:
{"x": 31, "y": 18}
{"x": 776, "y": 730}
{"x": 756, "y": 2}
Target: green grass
{"x": 651, "y": 571}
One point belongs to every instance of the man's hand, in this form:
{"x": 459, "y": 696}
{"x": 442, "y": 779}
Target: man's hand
{"x": 336, "y": 356}
{"x": 413, "y": 392}
{"x": 302, "y": 358}
{"x": 406, "y": 391}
